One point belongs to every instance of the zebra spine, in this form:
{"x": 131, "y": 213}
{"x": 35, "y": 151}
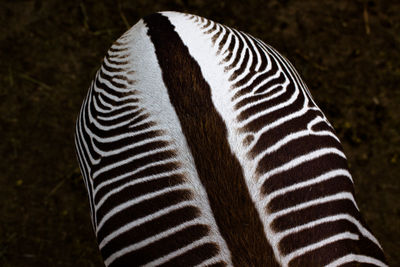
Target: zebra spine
{"x": 183, "y": 107}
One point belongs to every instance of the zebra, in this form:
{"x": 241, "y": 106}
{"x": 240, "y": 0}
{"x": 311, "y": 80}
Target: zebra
{"x": 200, "y": 145}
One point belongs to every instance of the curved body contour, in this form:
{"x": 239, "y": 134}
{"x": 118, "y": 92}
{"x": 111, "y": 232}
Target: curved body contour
{"x": 200, "y": 145}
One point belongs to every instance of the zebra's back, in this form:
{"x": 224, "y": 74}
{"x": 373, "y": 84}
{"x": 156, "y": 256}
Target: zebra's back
{"x": 201, "y": 146}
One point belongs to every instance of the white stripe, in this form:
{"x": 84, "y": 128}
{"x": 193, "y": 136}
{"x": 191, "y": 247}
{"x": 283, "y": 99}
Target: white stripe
{"x": 235, "y": 55}
{"x": 338, "y": 196}
{"x": 127, "y": 174}
{"x": 115, "y": 138}
{"x": 176, "y": 253}
{"x": 288, "y": 138}
{"x": 255, "y": 88}
{"x": 210, "y": 261}
{"x": 113, "y": 97}
{"x": 334, "y": 218}
{"x": 130, "y": 92}
{"x": 127, "y": 85}
{"x": 124, "y": 43}
{"x": 356, "y": 258}
{"x": 107, "y": 61}
{"x": 234, "y": 51}
{"x": 209, "y": 27}
{"x": 120, "y": 106}
{"x": 92, "y": 160}
{"x": 134, "y": 182}
{"x": 134, "y": 145}
{"x": 241, "y": 61}
{"x": 280, "y": 121}
{"x": 144, "y": 220}
{"x": 153, "y": 239}
{"x": 120, "y": 55}
{"x": 264, "y": 99}
{"x": 268, "y": 67}
{"x": 224, "y": 49}
{"x": 105, "y": 128}
{"x": 105, "y": 103}
{"x": 297, "y": 161}
{"x": 138, "y": 200}
{"x": 99, "y": 109}
{"x": 107, "y": 117}
{"x": 323, "y": 177}
{"x": 304, "y": 250}
{"x": 131, "y": 159}
{"x": 257, "y": 51}
{"x": 291, "y": 100}
{"x": 221, "y": 36}
{"x": 123, "y": 57}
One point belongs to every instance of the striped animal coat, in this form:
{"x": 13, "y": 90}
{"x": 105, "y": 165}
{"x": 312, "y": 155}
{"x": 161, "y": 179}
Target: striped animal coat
{"x": 200, "y": 145}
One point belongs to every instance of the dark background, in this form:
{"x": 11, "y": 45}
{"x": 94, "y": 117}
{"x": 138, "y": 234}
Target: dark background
{"x": 348, "y": 52}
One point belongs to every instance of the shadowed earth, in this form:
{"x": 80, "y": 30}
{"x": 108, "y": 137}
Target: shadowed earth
{"x": 348, "y": 53}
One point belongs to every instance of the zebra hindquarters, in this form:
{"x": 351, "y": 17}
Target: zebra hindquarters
{"x": 201, "y": 146}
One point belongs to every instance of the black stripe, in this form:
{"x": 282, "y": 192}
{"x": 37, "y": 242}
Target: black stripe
{"x": 254, "y": 98}
{"x": 358, "y": 264}
{"x": 137, "y": 190}
{"x": 238, "y": 52}
{"x": 296, "y": 148}
{"x": 162, "y": 247}
{"x": 218, "y": 264}
{"x": 158, "y": 169}
{"x": 262, "y": 106}
{"x": 217, "y": 34}
{"x": 303, "y": 172}
{"x": 122, "y": 141}
{"x": 255, "y": 125}
{"x": 151, "y": 228}
{"x": 219, "y": 170}
{"x": 145, "y": 148}
{"x": 115, "y": 111}
{"x": 250, "y": 72}
{"x": 118, "y": 47}
{"x": 315, "y": 234}
{"x": 194, "y": 256}
{"x": 141, "y": 210}
{"x": 315, "y": 212}
{"x": 321, "y": 126}
{"x": 272, "y": 136}
{"x": 214, "y": 27}
{"x": 242, "y": 67}
{"x": 324, "y": 255}
{"x": 133, "y": 165}
{"x": 246, "y": 90}
{"x": 322, "y": 189}
{"x": 206, "y": 25}
{"x": 231, "y": 46}
{"x": 223, "y": 40}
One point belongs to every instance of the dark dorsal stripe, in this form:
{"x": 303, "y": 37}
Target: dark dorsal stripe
{"x": 205, "y": 131}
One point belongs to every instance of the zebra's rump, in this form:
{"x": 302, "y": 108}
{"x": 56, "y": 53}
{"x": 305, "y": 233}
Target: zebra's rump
{"x": 200, "y": 145}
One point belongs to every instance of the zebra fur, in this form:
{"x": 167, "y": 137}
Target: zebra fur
{"x": 200, "y": 145}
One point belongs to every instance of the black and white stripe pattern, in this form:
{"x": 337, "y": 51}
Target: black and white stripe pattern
{"x": 146, "y": 202}
{"x": 201, "y": 146}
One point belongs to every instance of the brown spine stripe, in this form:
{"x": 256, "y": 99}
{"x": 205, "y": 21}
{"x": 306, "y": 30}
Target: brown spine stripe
{"x": 219, "y": 171}
{"x": 271, "y": 107}
{"x": 143, "y": 209}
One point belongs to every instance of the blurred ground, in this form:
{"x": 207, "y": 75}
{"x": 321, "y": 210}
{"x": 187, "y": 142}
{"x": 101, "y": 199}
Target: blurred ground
{"x": 348, "y": 52}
